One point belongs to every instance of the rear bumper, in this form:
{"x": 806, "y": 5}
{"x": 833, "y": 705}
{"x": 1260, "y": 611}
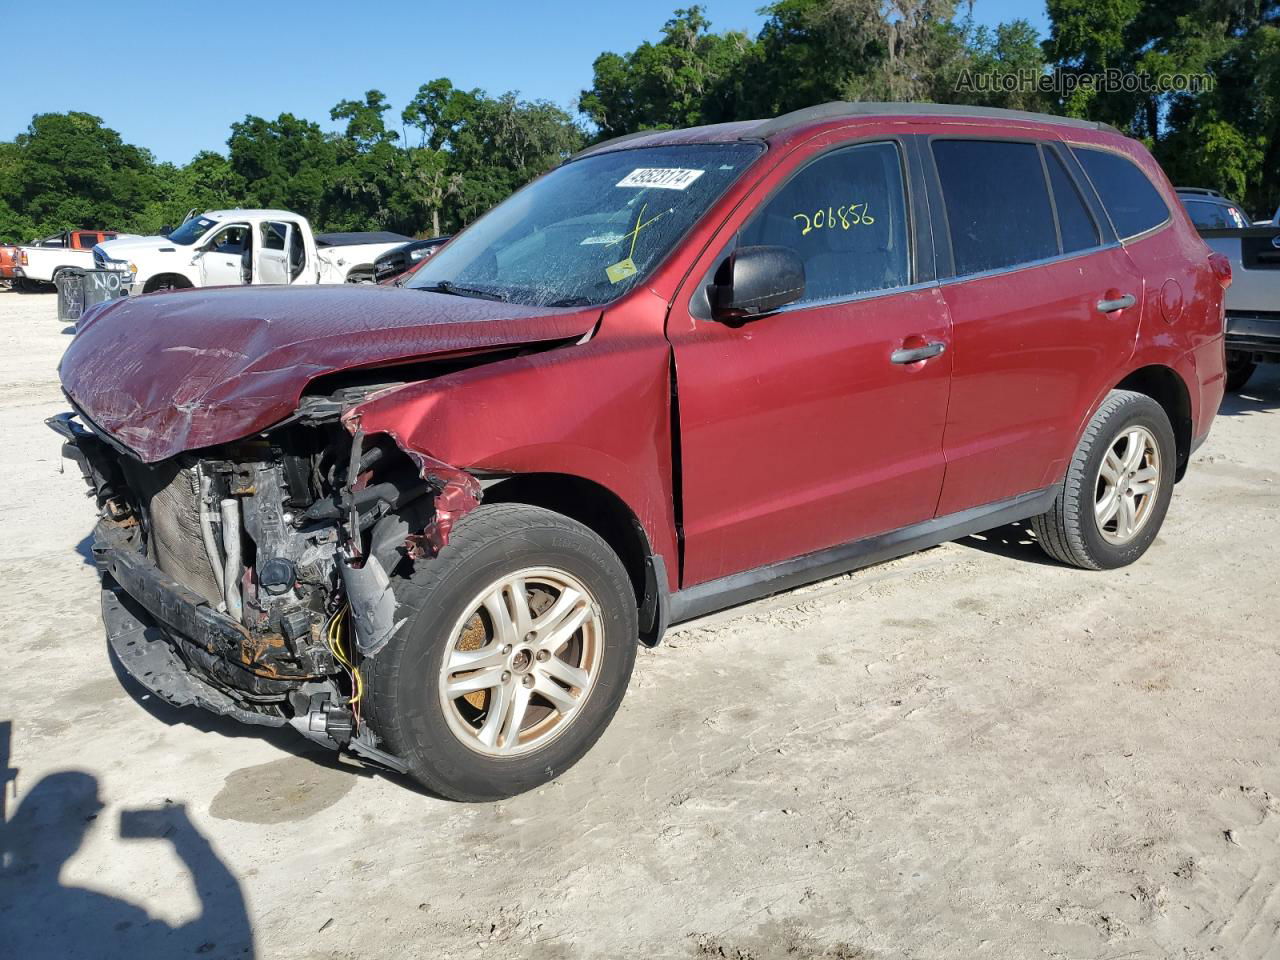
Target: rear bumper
{"x": 1254, "y": 333}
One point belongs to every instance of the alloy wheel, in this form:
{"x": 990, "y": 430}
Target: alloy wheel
{"x": 521, "y": 662}
{"x": 1127, "y": 484}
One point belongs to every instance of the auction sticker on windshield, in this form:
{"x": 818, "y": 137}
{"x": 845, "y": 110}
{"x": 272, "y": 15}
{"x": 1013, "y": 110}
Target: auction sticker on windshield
{"x": 666, "y": 178}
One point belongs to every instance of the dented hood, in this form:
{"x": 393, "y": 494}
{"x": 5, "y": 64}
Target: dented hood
{"x": 169, "y": 372}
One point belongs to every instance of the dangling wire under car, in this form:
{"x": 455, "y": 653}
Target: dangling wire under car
{"x": 346, "y": 657}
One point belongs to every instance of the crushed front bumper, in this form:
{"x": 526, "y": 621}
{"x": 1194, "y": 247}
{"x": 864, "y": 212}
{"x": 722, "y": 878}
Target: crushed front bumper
{"x": 180, "y": 648}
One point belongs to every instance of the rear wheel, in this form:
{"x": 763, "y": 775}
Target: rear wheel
{"x": 517, "y": 648}
{"x": 1240, "y": 368}
{"x": 1117, "y": 489}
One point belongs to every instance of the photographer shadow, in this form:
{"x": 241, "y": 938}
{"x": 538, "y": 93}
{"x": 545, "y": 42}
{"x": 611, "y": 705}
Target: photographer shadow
{"x": 42, "y": 917}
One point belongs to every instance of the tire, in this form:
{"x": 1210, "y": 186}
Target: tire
{"x": 1239, "y": 369}
{"x": 441, "y": 738}
{"x": 1072, "y": 531}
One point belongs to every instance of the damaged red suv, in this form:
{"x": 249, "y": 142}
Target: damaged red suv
{"x": 683, "y": 370}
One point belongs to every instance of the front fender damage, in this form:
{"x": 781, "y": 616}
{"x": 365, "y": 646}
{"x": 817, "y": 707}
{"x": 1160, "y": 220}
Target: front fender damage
{"x": 421, "y": 531}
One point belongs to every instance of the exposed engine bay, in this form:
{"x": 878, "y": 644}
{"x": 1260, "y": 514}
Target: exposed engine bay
{"x": 252, "y": 578}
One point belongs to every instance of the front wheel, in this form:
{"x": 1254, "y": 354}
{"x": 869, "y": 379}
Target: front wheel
{"x": 517, "y": 646}
{"x": 1114, "y": 497}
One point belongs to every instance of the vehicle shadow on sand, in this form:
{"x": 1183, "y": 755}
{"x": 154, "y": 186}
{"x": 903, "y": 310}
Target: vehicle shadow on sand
{"x": 40, "y": 916}
{"x": 1014, "y": 540}
{"x": 1260, "y": 395}
{"x": 284, "y": 739}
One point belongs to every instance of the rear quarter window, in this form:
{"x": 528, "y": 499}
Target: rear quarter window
{"x": 1132, "y": 201}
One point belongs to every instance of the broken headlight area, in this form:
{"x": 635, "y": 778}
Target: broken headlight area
{"x": 254, "y": 579}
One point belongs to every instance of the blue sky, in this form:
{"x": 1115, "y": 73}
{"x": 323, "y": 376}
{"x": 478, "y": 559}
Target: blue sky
{"x": 174, "y": 81}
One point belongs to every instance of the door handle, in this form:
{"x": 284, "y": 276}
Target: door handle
{"x": 914, "y": 354}
{"x": 1119, "y": 303}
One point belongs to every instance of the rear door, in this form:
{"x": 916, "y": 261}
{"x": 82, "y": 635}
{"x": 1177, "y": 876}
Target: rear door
{"x": 797, "y": 430}
{"x": 1044, "y": 305}
{"x": 275, "y": 240}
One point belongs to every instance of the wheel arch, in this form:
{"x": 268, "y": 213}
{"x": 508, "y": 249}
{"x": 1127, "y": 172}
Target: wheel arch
{"x": 606, "y": 514}
{"x": 183, "y": 282}
{"x": 1166, "y": 387}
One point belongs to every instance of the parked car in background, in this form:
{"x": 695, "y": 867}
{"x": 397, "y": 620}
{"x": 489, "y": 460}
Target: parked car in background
{"x": 39, "y": 264}
{"x": 7, "y": 256}
{"x": 234, "y": 247}
{"x": 681, "y": 371}
{"x": 1253, "y": 302}
{"x": 1210, "y": 210}
{"x": 395, "y": 263}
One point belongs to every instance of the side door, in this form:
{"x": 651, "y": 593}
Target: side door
{"x": 1044, "y": 307}
{"x": 221, "y": 262}
{"x": 799, "y": 430}
{"x": 275, "y": 241}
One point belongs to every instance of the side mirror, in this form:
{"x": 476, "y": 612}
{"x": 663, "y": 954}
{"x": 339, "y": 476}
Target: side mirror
{"x": 755, "y": 281}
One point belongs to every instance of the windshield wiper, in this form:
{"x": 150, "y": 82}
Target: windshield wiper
{"x": 457, "y": 290}
{"x": 571, "y": 302}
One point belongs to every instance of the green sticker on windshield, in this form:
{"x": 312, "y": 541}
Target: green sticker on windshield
{"x": 621, "y": 270}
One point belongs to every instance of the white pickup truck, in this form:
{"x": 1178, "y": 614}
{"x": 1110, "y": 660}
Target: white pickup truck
{"x": 231, "y": 247}
{"x": 36, "y": 264}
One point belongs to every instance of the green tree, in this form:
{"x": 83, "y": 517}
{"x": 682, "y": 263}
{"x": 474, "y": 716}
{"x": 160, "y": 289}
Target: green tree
{"x": 685, "y": 79}
{"x": 478, "y": 149}
{"x": 68, "y": 170}
{"x": 286, "y": 162}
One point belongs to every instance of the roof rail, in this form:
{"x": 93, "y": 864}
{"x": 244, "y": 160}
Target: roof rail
{"x": 840, "y": 108}
{"x": 1200, "y": 191}
{"x": 611, "y": 142}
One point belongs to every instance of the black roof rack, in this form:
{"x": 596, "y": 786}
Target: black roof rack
{"x": 764, "y": 129}
{"x": 838, "y": 109}
{"x": 612, "y": 142}
{"x": 1200, "y": 191}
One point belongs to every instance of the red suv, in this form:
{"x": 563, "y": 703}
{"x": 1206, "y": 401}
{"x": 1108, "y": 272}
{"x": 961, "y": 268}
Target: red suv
{"x": 682, "y": 370}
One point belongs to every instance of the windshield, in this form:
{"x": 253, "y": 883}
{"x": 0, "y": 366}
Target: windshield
{"x": 192, "y": 230}
{"x": 588, "y": 231}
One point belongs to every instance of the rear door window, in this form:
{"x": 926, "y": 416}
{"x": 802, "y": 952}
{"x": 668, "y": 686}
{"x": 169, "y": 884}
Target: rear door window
{"x": 1075, "y": 223}
{"x": 273, "y": 235}
{"x": 997, "y": 203}
{"x": 845, "y": 215}
{"x": 1132, "y": 201}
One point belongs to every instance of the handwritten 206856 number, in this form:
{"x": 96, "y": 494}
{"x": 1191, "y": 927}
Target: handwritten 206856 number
{"x": 832, "y": 218}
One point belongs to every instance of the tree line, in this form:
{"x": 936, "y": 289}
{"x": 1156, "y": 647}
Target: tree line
{"x": 450, "y": 154}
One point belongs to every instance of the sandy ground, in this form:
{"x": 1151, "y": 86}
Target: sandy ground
{"x": 968, "y": 753}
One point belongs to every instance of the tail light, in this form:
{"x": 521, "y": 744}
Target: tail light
{"x": 22, "y": 257}
{"x": 1221, "y": 268}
